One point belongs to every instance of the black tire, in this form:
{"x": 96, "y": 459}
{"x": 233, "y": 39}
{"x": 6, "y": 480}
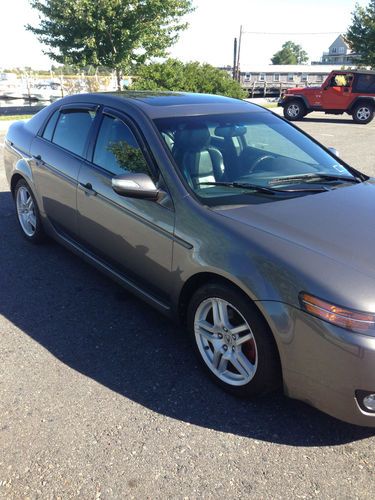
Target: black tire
{"x": 363, "y": 113}
{"x": 36, "y": 233}
{"x": 294, "y": 110}
{"x": 259, "y": 354}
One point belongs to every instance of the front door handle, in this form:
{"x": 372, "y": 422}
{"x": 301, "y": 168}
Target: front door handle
{"x": 87, "y": 187}
{"x": 38, "y": 160}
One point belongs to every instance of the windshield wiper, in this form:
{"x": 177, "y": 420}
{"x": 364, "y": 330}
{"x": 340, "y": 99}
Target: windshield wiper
{"x": 263, "y": 189}
{"x": 313, "y": 176}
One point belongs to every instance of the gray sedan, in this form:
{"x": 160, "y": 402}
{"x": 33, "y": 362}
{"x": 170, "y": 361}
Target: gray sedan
{"x": 224, "y": 216}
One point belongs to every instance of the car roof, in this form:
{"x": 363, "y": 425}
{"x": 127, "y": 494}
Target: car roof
{"x": 166, "y": 104}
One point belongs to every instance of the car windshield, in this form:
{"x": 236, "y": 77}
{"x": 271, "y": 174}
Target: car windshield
{"x": 249, "y": 158}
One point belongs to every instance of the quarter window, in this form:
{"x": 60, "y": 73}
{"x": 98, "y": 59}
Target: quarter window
{"x": 72, "y": 130}
{"x": 50, "y": 128}
{"x": 117, "y": 150}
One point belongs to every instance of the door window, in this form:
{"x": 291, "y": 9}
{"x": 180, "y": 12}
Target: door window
{"x": 72, "y": 130}
{"x": 117, "y": 150}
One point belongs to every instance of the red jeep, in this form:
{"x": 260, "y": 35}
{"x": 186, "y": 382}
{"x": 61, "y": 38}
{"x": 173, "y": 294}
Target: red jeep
{"x": 351, "y": 92}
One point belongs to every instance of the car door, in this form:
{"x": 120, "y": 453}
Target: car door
{"x": 134, "y": 236}
{"x": 337, "y": 95}
{"x": 57, "y": 158}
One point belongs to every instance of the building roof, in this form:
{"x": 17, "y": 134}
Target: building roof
{"x": 292, "y": 68}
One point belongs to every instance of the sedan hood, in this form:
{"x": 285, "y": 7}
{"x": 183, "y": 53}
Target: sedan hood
{"x": 339, "y": 224}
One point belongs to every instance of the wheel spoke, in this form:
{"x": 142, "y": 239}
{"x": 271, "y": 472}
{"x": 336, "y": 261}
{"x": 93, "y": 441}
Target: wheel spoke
{"x": 219, "y": 312}
{"x": 217, "y": 358}
{"x": 223, "y": 364}
{"x": 23, "y": 197}
{"x": 241, "y": 364}
{"x": 239, "y": 329}
{"x": 29, "y": 203}
{"x": 206, "y": 326}
{"x": 245, "y": 338}
{"x": 32, "y": 221}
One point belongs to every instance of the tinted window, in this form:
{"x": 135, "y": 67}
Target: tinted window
{"x": 50, "y": 128}
{"x": 117, "y": 149}
{"x": 72, "y": 130}
{"x": 365, "y": 83}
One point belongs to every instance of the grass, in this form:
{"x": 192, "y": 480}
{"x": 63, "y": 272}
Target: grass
{"x": 4, "y": 118}
{"x": 269, "y": 105}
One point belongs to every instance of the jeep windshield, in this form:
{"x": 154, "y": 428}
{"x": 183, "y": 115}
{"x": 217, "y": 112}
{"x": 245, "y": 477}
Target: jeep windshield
{"x": 249, "y": 158}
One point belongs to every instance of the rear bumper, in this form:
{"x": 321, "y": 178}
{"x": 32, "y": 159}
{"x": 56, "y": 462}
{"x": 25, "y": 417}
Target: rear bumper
{"x": 323, "y": 365}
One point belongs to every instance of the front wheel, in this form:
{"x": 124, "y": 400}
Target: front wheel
{"x": 232, "y": 340}
{"x": 363, "y": 113}
{"x": 294, "y": 110}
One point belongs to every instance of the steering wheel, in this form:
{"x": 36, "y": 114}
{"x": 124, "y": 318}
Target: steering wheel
{"x": 257, "y": 162}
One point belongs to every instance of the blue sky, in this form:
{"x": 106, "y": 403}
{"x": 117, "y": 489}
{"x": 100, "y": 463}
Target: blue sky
{"x": 213, "y": 26}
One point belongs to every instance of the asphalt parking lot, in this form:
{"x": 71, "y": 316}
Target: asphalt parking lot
{"x": 101, "y": 397}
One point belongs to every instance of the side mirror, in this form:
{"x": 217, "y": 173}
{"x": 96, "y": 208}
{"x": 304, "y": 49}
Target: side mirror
{"x": 334, "y": 151}
{"x": 135, "y": 186}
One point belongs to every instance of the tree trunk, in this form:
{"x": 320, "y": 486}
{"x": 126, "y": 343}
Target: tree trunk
{"x": 118, "y": 78}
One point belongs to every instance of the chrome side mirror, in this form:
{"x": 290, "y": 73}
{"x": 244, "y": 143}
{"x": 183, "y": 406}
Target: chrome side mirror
{"x": 334, "y": 151}
{"x": 135, "y": 186}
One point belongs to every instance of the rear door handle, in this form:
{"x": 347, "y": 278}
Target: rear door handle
{"x": 87, "y": 187}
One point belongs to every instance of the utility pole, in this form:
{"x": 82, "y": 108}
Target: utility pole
{"x": 238, "y": 71}
{"x": 234, "y": 72}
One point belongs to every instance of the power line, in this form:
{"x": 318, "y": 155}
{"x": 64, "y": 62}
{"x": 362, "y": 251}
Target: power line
{"x": 299, "y": 34}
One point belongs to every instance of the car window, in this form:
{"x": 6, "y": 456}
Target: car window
{"x": 72, "y": 130}
{"x": 117, "y": 149}
{"x": 264, "y": 151}
{"x": 50, "y": 128}
{"x": 365, "y": 83}
{"x": 262, "y": 136}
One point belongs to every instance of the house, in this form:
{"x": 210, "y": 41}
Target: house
{"x": 339, "y": 53}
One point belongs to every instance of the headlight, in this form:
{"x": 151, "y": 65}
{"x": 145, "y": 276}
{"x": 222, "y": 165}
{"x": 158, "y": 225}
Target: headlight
{"x": 356, "y": 321}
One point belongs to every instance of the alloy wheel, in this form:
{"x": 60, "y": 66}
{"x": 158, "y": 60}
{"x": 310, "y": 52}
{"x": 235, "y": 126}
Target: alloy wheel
{"x": 225, "y": 341}
{"x": 26, "y": 211}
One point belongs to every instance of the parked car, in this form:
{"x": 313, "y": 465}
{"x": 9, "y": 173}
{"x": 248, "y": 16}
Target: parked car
{"x": 222, "y": 214}
{"x": 351, "y": 92}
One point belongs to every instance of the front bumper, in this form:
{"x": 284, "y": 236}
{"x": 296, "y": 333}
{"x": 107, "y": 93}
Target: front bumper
{"x": 323, "y": 365}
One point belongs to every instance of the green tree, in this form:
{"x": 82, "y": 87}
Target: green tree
{"x": 290, "y": 53}
{"x": 113, "y": 33}
{"x": 188, "y": 77}
{"x": 361, "y": 33}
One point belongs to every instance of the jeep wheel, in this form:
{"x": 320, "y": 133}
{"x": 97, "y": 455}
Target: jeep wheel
{"x": 294, "y": 110}
{"x": 363, "y": 113}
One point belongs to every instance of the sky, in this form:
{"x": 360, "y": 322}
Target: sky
{"x": 212, "y": 28}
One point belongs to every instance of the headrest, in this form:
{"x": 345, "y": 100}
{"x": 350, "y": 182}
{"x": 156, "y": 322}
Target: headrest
{"x": 192, "y": 138}
{"x": 230, "y": 131}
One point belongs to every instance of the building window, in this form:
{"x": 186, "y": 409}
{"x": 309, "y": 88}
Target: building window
{"x": 276, "y": 77}
{"x": 334, "y": 50}
{"x": 304, "y": 77}
{"x": 290, "y": 77}
{"x": 319, "y": 78}
{"x": 341, "y": 50}
{"x": 247, "y": 77}
{"x": 262, "y": 77}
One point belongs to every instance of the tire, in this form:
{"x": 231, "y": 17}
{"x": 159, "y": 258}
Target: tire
{"x": 294, "y": 110}
{"x": 237, "y": 349}
{"x": 363, "y": 113}
{"x": 28, "y": 215}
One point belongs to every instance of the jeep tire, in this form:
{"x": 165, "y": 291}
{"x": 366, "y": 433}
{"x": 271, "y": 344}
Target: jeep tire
{"x": 363, "y": 112}
{"x": 294, "y": 110}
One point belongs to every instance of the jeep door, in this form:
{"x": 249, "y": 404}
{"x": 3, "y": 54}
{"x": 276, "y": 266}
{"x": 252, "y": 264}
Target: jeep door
{"x": 337, "y": 94}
